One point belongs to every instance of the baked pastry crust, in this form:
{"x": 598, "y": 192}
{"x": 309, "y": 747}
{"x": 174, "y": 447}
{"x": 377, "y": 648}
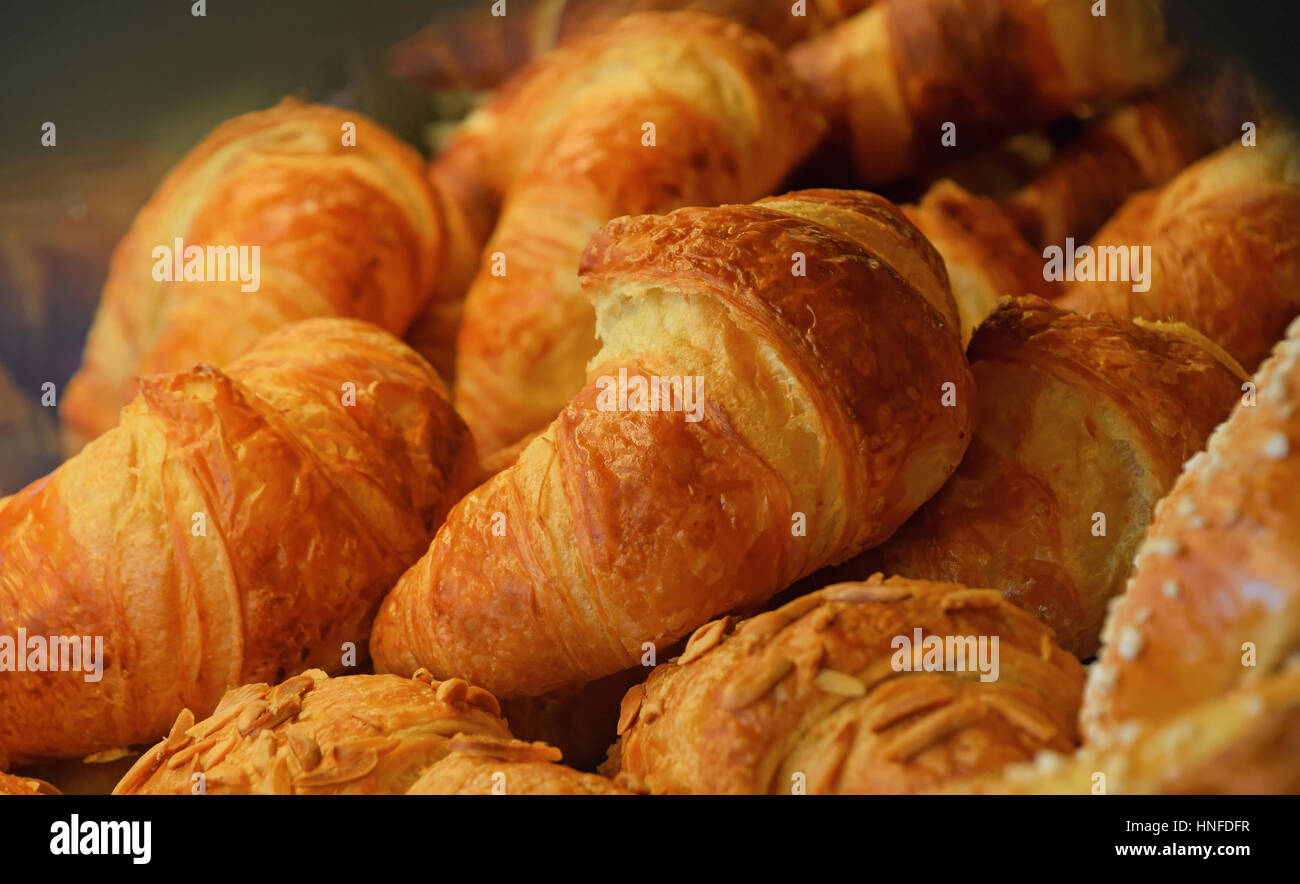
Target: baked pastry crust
{"x": 808, "y": 695}
{"x": 480, "y": 765}
{"x": 1078, "y": 416}
{"x": 239, "y": 525}
{"x": 565, "y": 143}
{"x": 316, "y": 735}
{"x": 1244, "y": 742}
{"x": 348, "y": 230}
{"x": 1224, "y": 236}
{"x": 1214, "y": 602}
{"x": 627, "y": 527}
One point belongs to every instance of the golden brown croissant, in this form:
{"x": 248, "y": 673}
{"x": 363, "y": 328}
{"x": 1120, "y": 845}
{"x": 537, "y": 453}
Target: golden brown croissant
{"x": 479, "y": 50}
{"x": 1083, "y": 424}
{"x": 659, "y": 111}
{"x": 824, "y": 408}
{"x": 489, "y": 765}
{"x": 1244, "y": 742}
{"x": 1224, "y": 253}
{"x": 829, "y": 694}
{"x": 1215, "y": 597}
{"x": 341, "y": 230}
{"x": 316, "y": 735}
{"x": 893, "y": 75}
{"x": 1137, "y": 146}
{"x": 18, "y": 785}
{"x": 238, "y": 525}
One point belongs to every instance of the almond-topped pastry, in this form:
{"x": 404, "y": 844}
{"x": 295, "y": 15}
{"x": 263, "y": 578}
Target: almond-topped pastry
{"x": 316, "y": 735}
{"x": 480, "y": 765}
{"x": 843, "y": 692}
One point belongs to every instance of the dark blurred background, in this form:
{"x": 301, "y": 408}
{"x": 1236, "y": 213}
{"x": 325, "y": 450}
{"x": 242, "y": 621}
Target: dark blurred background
{"x": 133, "y": 84}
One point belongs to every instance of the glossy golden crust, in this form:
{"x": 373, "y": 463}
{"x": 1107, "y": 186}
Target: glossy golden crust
{"x": 1215, "y": 597}
{"x": 477, "y": 50}
{"x": 893, "y": 75}
{"x": 624, "y": 527}
{"x": 567, "y": 143}
{"x": 809, "y": 695}
{"x": 985, "y": 255}
{"x": 1244, "y": 742}
{"x": 316, "y": 735}
{"x": 1078, "y": 416}
{"x": 238, "y": 525}
{"x": 18, "y": 785}
{"x": 495, "y": 766}
{"x": 1225, "y": 248}
{"x": 343, "y": 231}
{"x": 878, "y": 226}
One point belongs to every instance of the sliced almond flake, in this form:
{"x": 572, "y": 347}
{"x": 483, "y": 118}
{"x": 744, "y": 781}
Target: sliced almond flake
{"x": 861, "y": 593}
{"x": 839, "y": 683}
{"x": 629, "y": 707}
{"x": 753, "y": 687}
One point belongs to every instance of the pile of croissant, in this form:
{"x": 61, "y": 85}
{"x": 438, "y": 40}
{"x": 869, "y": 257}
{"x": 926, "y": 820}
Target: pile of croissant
{"x": 372, "y": 529}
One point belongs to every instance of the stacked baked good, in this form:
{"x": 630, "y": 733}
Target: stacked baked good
{"x": 766, "y": 491}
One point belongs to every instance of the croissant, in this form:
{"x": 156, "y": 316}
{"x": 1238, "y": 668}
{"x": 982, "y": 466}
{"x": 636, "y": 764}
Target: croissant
{"x": 893, "y": 76}
{"x": 1223, "y": 248}
{"x": 316, "y": 735}
{"x": 479, "y": 50}
{"x": 659, "y": 111}
{"x": 1214, "y": 602}
{"x": 1244, "y": 742}
{"x": 238, "y": 525}
{"x": 340, "y": 230}
{"x": 485, "y": 765}
{"x": 16, "y": 785}
{"x": 824, "y": 408}
{"x": 1138, "y": 146}
{"x": 822, "y": 696}
{"x": 1083, "y": 424}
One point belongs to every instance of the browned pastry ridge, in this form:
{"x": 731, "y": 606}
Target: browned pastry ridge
{"x": 1214, "y": 602}
{"x": 485, "y": 765}
{"x": 1078, "y": 417}
{"x": 343, "y": 229}
{"x": 478, "y": 50}
{"x": 1225, "y": 248}
{"x": 829, "y": 404}
{"x": 660, "y": 111}
{"x": 237, "y": 525}
{"x": 1244, "y": 742}
{"x": 316, "y": 735}
{"x": 814, "y": 697}
{"x": 893, "y": 75}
